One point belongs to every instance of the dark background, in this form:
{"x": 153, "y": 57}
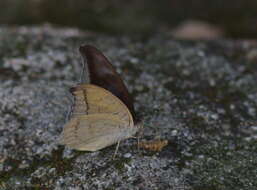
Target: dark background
{"x": 237, "y": 18}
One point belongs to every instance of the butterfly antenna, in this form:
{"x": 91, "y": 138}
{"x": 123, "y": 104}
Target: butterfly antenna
{"x": 116, "y": 150}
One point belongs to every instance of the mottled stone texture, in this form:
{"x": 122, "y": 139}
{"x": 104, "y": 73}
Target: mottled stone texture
{"x": 200, "y": 96}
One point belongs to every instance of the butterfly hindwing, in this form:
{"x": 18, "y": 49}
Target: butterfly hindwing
{"x": 95, "y": 131}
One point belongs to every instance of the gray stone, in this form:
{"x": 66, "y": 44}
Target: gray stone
{"x": 200, "y": 96}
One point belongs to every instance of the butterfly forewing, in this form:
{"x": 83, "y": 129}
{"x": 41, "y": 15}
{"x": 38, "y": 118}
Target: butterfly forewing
{"x": 90, "y": 99}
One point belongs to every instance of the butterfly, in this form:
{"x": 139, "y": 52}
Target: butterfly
{"x": 103, "y": 111}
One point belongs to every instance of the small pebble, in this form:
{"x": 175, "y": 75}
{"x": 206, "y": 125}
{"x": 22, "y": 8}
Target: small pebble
{"x": 127, "y": 155}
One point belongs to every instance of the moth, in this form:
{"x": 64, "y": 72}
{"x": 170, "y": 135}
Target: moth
{"x": 103, "y": 110}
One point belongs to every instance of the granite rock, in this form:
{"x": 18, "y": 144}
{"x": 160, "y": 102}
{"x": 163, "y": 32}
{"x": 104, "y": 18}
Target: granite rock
{"x": 200, "y": 96}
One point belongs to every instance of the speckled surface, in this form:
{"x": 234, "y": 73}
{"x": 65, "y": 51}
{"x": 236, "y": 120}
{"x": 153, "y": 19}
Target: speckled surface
{"x": 200, "y": 96}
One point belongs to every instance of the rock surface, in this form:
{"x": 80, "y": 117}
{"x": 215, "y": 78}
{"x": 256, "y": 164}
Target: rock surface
{"x": 200, "y": 96}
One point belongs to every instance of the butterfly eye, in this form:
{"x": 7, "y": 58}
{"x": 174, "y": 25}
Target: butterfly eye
{"x": 102, "y": 73}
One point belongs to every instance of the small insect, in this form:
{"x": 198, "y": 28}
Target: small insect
{"x": 103, "y": 111}
{"x": 155, "y": 145}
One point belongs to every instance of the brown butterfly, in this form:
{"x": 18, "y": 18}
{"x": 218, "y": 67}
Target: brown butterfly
{"x": 103, "y": 111}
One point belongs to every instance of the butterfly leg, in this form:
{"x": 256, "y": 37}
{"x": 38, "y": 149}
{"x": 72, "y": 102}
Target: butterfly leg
{"x": 138, "y": 139}
{"x": 140, "y": 134}
{"x": 116, "y": 150}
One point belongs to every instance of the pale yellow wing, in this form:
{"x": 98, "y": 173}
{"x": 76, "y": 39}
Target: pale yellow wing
{"x": 95, "y": 131}
{"x": 99, "y": 119}
{"x": 91, "y": 99}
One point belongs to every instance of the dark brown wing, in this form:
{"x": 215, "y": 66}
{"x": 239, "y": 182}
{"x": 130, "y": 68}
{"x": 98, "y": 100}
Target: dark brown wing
{"x": 103, "y": 74}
